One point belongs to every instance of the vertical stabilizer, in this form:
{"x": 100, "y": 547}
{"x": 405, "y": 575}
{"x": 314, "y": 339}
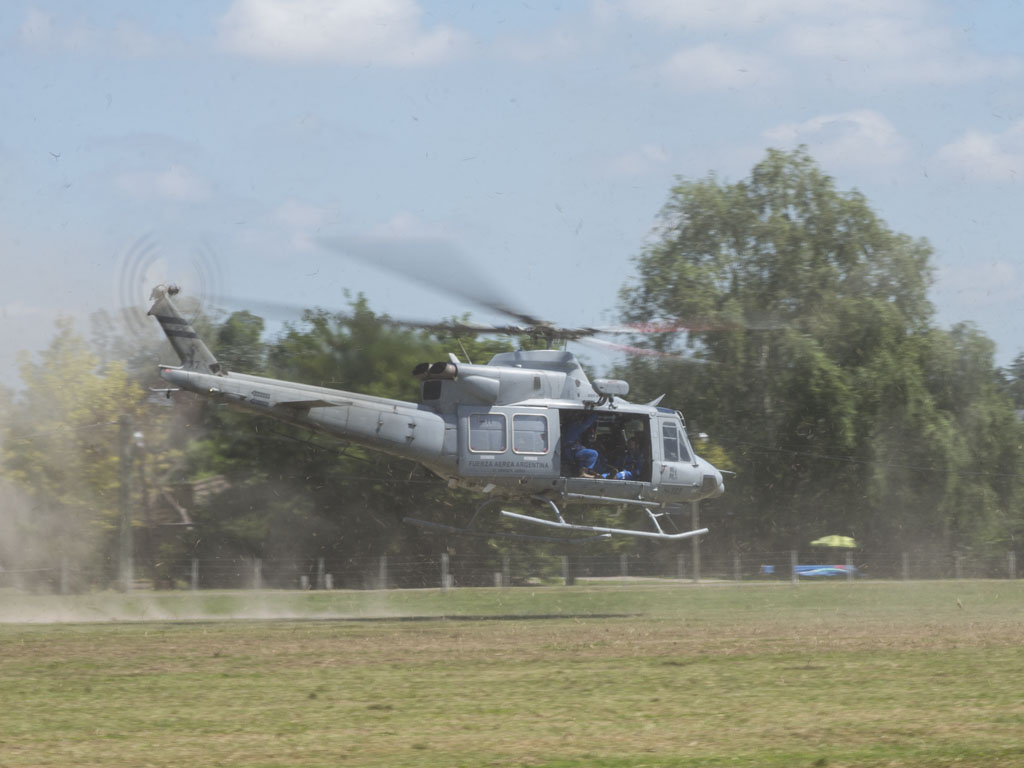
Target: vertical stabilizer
{"x": 190, "y": 348}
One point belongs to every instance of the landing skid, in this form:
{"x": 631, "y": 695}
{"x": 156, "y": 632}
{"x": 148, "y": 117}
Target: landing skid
{"x": 560, "y": 523}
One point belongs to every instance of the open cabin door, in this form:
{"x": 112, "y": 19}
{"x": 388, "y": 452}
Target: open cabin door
{"x": 622, "y": 441}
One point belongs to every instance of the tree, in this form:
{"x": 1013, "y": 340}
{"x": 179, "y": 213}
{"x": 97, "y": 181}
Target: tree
{"x": 817, "y": 380}
{"x": 1014, "y": 381}
{"x": 60, "y": 449}
{"x": 238, "y": 344}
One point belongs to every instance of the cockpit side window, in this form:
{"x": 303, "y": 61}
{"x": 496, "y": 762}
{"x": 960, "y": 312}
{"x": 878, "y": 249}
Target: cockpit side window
{"x": 673, "y": 444}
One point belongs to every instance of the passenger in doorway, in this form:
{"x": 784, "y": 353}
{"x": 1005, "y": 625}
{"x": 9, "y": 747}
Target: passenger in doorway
{"x": 631, "y": 464}
{"x": 579, "y": 440}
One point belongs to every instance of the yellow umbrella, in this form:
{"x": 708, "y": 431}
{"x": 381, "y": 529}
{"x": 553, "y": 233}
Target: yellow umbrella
{"x": 843, "y": 542}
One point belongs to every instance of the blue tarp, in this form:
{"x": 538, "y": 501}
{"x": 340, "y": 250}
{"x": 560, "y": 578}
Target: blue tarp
{"x": 815, "y": 570}
{"x": 825, "y": 570}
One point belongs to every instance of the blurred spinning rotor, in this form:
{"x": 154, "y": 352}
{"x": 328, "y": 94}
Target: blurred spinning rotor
{"x": 439, "y": 264}
{"x": 149, "y": 261}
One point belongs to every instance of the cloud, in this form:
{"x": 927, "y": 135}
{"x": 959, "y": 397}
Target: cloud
{"x": 858, "y": 43}
{"x": 986, "y": 156}
{"x": 408, "y": 225}
{"x": 712, "y": 67}
{"x": 894, "y": 49}
{"x": 17, "y": 309}
{"x": 852, "y": 139}
{"x": 377, "y": 32}
{"x": 37, "y": 29}
{"x": 303, "y": 222}
{"x": 640, "y": 161}
{"x": 176, "y": 183}
{"x": 749, "y": 13}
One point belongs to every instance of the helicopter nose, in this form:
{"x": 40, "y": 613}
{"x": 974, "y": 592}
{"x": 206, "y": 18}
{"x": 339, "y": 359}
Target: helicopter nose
{"x": 712, "y": 484}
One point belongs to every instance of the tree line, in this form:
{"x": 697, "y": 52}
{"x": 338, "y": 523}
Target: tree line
{"x": 813, "y": 362}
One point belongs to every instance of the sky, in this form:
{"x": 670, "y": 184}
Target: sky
{"x": 214, "y": 144}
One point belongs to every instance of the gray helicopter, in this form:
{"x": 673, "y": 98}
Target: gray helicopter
{"x": 529, "y": 426}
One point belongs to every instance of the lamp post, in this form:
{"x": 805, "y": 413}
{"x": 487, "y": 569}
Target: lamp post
{"x": 125, "y": 528}
{"x": 130, "y": 442}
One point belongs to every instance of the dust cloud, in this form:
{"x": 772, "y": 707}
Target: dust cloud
{"x": 17, "y": 607}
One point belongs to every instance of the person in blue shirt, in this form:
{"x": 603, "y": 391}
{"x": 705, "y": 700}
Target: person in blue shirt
{"x": 578, "y": 439}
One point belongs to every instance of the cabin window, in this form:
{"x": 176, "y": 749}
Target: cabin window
{"x": 674, "y": 447}
{"x": 529, "y": 433}
{"x": 488, "y": 433}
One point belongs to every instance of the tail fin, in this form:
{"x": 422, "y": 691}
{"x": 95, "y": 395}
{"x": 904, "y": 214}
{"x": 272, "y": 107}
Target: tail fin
{"x": 190, "y": 348}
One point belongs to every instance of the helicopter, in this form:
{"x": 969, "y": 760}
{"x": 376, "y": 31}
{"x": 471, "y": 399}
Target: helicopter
{"x": 511, "y": 429}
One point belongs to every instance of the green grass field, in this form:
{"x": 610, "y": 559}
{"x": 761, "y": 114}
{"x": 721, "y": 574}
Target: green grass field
{"x": 838, "y": 674}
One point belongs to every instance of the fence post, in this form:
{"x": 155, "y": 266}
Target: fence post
{"x": 382, "y": 575}
{"x": 194, "y": 576}
{"x": 737, "y": 570}
{"x": 906, "y": 567}
{"x": 328, "y": 581}
{"x": 567, "y": 574}
{"x": 257, "y": 573}
{"x": 849, "y": 566}
{"x": 1011, "y": 562}
{"x": 792, "y": 566}
{"x": 695, "y": 541}
{"x": 506, "y": 571}
{"x": 319, "y": 573}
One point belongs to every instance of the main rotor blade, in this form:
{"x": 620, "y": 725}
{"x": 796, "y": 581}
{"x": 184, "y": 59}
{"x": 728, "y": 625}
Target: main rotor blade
{"x": 692, "y": 326}
{"x": 267, "y": 308}
{"x": 459, "y": 327}
{"x": 433, "y": 261}
{"x": 644, "y": 351}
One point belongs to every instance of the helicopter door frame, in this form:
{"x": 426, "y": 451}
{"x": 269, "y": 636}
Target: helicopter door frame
{"x": 507, "y": 441}
{"x": 614, "y": 428}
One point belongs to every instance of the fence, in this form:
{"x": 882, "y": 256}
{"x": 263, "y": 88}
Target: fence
{"x": 447, "y": 571}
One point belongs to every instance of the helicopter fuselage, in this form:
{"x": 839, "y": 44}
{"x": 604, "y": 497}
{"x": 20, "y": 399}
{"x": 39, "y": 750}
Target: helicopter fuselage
{"x": 502, "y": 428}
{"x": 515, "y": 448}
